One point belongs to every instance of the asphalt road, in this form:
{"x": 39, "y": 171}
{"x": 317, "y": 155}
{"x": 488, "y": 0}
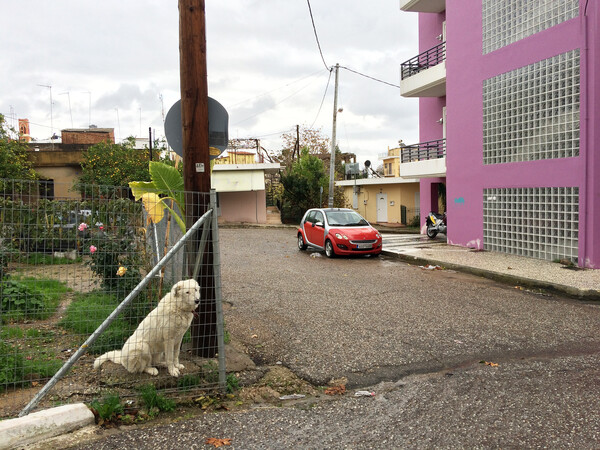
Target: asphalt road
{"x": 417, "y": 338}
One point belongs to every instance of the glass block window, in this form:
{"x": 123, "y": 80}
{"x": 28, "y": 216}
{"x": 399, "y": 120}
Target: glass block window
{"x": 532, "y": 113}
{"x": 507, "y": 21}
{"x": 539, "y": 223}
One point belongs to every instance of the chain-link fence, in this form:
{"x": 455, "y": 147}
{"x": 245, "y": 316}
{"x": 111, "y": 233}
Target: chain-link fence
{"x": 66, "y": 265}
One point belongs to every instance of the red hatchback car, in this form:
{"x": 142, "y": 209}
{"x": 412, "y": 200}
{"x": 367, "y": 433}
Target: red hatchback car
{"x": 338, "y": 231}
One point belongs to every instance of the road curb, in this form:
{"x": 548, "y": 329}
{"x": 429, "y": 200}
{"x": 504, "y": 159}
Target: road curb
{"x": 43, "y": 425}
{"x": 581, "y": 294}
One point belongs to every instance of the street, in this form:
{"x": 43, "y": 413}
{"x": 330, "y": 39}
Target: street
{"x": 454, "y": 360}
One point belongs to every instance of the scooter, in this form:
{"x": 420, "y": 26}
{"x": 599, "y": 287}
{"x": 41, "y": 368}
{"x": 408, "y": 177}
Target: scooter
{"x": 436, "y": 223}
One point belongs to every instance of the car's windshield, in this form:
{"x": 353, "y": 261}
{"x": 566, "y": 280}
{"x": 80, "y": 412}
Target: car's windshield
{"x": 345, "y": 219}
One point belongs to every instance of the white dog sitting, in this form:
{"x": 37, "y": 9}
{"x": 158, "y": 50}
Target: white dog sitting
{"x": 157, "y": 339}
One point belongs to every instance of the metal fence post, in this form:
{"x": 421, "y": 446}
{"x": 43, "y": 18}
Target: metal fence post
{"x": 218, "y": 291}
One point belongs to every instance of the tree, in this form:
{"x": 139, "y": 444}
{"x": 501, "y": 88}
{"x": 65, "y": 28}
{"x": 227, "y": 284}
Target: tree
{"x": 107, "y": 164}
{"x": 302, "y": 186}
{"x": 114, "y": 164}
{"x": 310, "y": 139}
{"x": 14, "y": 164}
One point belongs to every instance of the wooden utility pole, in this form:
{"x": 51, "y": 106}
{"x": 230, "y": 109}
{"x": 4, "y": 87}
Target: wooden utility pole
{"x": 196, "y": 161}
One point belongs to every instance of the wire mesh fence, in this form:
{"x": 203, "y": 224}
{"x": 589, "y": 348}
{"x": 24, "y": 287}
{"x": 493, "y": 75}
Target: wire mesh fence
{"x": 66, "y": 264}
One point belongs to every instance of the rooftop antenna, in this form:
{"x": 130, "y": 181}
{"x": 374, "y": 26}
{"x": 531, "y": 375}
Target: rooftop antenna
{"x": 162, "y": 106}
{"x": 70, "y": 112}
{"x": 89, "y": 107}
{"x": 51, "y": 115}
{"x": 12, "y": 116}
{"x": 118, "y": 124}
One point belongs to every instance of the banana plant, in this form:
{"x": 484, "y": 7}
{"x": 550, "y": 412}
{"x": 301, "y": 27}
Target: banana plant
{"x": 160, "y": 194}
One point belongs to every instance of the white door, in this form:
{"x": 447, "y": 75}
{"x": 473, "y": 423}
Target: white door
{"x": 382, "y": 208}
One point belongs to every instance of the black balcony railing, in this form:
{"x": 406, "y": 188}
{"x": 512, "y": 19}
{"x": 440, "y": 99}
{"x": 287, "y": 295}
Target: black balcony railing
{"x": 424, "y": 151}
{"x": 425, "y": 60}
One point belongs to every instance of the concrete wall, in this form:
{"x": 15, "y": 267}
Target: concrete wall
{"x": 250, "y": 207}
{"x": 67, "y": 177}
{"x": 88, "y": 136}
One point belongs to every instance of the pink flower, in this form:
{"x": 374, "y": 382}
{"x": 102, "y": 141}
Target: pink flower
{"x": 82, "y": 226}
{"x": 101, "y": 227}
{"x": 93, "y": 249}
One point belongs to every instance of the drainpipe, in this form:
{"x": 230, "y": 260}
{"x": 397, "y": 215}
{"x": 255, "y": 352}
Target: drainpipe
{"x": 588, "y": 159}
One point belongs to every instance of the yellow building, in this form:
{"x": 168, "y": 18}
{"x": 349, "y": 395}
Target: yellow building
{"x": 237, "y": 157}
{"x": 391, "y": 162}
{"x": 383, "y": 200}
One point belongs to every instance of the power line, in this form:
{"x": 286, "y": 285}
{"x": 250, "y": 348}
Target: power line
{"x": 272, "y": 134}
{"x": 367, "y": 76}
{"x": 273, "y": 106}
{"x": 323, "y": 99}
{"x": 276, "y": 89}
{"x": 317, "y": 36}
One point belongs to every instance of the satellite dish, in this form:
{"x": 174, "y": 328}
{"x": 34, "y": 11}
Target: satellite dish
{"x": 367, "y": 163}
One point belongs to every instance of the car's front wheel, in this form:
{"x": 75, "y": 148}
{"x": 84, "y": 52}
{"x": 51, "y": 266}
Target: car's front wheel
{"x": 329, "y": 249}
{"x": 301, "y": 244}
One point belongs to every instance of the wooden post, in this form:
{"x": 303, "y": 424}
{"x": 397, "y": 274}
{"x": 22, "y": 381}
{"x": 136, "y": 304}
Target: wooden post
{"x": 196, "y": 161}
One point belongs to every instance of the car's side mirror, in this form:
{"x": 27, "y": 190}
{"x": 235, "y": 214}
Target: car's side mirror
{"x": 319, "y": 224}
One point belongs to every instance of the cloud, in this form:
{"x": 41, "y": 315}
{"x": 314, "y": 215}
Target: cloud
{"x": 264, "y": 65}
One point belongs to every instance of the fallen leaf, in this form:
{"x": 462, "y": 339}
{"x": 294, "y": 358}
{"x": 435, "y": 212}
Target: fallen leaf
{"x": 218, "y": 442}
{"x": 488, "y": 363}
{"x": 335, "y": 390}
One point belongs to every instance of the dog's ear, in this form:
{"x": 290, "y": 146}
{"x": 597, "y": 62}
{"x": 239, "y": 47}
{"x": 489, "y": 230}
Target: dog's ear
{"x": 175, "y": 289}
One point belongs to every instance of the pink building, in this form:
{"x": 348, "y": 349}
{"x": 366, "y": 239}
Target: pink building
{"x": 509, "y": 123}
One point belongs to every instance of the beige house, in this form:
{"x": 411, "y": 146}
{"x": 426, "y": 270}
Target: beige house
{"x": 241, "y": 193}
{"x": 59, "y": 162}
{"x": 383, "y": 200}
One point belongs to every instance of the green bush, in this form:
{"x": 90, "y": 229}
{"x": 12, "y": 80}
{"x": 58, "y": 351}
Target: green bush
{"x": 153, "y": 401}
{"x": 233, "y": 383}
{"x": 51, "y": 225}
{"x": 187, "y": 382}
{"x": 108, "y": 408}
{"x": 29, "y": 298}
{"x": 19, "y": 302}
{"x": 115, "y": 252}
{"x": 415, "y": 222}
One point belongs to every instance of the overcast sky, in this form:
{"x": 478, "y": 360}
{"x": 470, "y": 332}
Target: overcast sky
{"x": 264, "y": 66}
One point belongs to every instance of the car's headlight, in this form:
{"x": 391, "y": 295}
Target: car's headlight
{"x": 341, "y": 236}
{"x": 377, "y": 235}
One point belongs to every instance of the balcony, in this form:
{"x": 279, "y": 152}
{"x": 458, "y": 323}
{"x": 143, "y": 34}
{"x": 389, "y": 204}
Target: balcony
{"x": 425, "y": 74}
{"x": 430, "y": 6}
{"x": 424, "y": 160}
